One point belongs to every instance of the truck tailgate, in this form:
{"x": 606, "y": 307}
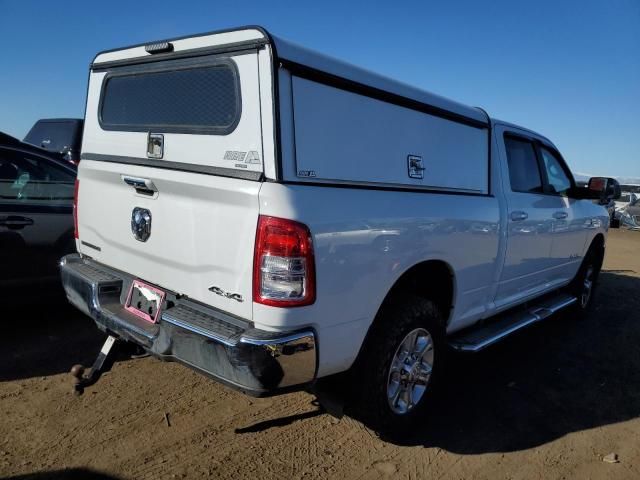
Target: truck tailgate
{"x": 202, "y": 230}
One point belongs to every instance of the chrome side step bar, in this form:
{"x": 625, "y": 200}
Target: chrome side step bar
{"x": 477, "y": 338}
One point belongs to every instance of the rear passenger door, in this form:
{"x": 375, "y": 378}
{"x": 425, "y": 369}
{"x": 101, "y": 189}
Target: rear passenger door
{"x": 529, "y": 225}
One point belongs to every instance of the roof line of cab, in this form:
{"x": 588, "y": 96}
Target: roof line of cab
{"x": 496, "y": 122}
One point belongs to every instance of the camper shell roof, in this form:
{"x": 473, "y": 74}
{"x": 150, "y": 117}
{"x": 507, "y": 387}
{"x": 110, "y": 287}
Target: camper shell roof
{"x": 301, "y": 61}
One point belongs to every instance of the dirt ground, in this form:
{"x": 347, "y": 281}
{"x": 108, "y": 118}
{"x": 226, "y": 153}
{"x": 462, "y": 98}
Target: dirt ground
{"x": 550, "y": 402}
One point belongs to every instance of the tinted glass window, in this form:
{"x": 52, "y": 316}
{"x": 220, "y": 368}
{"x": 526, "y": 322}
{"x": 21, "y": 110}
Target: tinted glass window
{"x": 524, "y": 172}
{"x": 556, "y": 176}
{"x": 56, "y": 135}
{"x": 203, "y": 98}
{"x": 26, "y": 178}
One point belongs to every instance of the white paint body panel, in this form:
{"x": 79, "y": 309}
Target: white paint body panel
{"x": 365, "y": 239}
{"x": 349, "y": 137}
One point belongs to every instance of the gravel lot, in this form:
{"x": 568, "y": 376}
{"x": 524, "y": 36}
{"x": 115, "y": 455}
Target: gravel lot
{"x": 549, "y": 403}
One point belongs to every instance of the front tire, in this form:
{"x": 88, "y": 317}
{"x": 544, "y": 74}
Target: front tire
{"x": 400, "y": 365}
{"x": 585, "y": 282}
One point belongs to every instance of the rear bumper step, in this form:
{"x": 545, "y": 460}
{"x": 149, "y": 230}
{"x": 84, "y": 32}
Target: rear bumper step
{"x": 226, "y": 348}
{"x": 479, "y": 337}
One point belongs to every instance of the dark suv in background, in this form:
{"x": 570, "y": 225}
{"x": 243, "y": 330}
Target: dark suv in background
{"x": 61, "y": 135}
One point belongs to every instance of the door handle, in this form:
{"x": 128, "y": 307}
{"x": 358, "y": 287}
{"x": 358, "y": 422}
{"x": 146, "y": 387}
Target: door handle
{"x": 13, "y": 222}
{"x": 519, "y": 216}
{"x": 142, "y": 185}
{"x": 560, "y": 215}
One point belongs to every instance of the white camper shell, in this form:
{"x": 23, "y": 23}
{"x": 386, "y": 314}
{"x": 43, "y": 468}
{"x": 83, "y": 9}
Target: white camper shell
{"x": 298, "y": 117}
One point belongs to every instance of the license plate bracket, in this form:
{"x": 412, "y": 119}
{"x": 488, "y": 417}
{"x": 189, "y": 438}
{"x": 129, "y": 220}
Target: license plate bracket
{"x": 145, "y": 301}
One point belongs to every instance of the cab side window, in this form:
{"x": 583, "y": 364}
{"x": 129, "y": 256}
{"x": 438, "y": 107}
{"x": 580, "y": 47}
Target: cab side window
{"x": 524, "y": 172}
{"x": 556, "y": 176}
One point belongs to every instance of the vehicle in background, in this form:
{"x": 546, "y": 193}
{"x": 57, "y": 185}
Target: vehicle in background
{"x": 611, "y": 210}
{"x": 629, "y": 214}
{"x": 623, "y": 201}
{"x": 36, "y": 218}
{"x": 61, "y": 135}
{"x": 627, "y": 191}
{"x": 610, "y": 204}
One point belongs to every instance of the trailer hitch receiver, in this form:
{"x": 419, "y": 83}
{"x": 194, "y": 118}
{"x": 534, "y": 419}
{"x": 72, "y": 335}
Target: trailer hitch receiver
{"x": 83, "y": 378}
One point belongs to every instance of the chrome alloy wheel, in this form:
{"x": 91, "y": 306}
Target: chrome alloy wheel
{"x": 410, "y": 371}
{"x": 587, "y": 287}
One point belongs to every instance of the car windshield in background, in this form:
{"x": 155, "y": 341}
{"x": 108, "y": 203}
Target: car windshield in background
{"x": 203, "y": 99}
{"x": 25, "y": 178}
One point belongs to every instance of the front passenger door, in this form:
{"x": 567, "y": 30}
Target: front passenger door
{"x": 568, "y": 230}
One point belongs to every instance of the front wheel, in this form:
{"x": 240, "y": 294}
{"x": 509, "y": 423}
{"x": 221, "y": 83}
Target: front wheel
{"x": 400, "y": 365}
{"x": 584, "y": 284}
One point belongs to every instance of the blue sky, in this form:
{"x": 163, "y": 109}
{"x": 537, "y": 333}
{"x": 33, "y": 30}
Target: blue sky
{"x": 568, "y": 69}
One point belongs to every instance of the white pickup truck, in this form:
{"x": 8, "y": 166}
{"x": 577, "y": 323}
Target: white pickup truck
{"x": 270, "y": 216}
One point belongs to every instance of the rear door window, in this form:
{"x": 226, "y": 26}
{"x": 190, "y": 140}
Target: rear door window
{"x": 524, "y": 171}
{"x": 55, "y": 136}
{"x": 180, "y": 99}
{"x": 27, "y": 178}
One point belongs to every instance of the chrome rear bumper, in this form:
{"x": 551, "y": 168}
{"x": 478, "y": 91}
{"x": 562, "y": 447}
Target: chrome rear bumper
{"x": 226, "y": 348}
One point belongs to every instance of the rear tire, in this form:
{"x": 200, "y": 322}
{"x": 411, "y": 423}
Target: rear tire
{"x": 400, "y": 365}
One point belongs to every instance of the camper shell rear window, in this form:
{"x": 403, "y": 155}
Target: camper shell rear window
{"x": 174, "y": 98}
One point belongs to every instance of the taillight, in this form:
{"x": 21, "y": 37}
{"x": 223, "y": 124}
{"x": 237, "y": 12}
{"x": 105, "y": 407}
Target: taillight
{"x": 75, "y": 208}
{"x": 283, "y": 266}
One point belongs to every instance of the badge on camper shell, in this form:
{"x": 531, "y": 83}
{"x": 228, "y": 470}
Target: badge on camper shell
{"x": 155, "y": 145}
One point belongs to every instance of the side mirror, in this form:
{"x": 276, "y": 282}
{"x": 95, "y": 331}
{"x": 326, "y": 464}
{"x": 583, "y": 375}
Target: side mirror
{"x": 604, "y": 189}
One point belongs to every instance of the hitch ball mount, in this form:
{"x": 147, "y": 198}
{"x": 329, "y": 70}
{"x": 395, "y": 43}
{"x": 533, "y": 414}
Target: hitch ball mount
{"x": 83, "y": 378}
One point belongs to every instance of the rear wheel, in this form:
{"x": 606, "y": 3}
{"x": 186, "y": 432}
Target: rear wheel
{"x": 400, "y": 365}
